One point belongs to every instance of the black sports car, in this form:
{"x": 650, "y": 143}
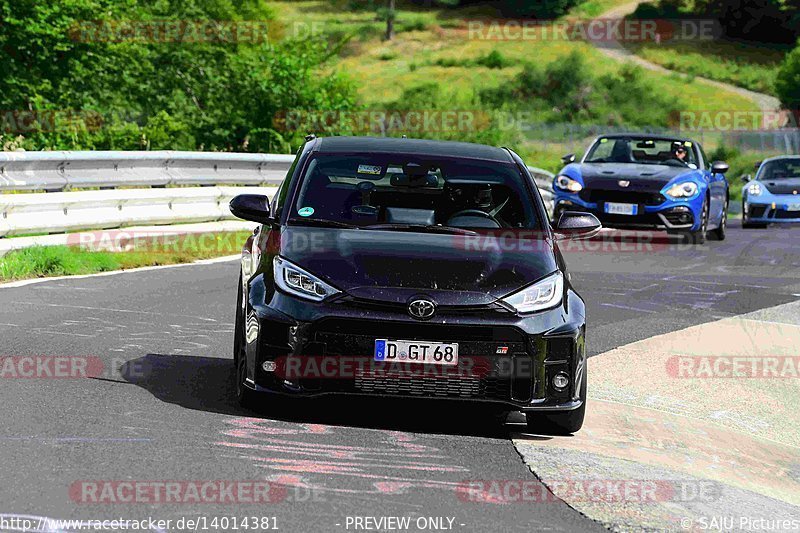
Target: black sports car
{"x": 411, "y": 268}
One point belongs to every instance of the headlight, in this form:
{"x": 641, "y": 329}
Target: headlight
{"x": 539, "y": 296}
{"x": 754, "y": 189}
{"x": 296, "y": 281}
{"x": 568, "y": 184}
{"x": 682, "y": 190}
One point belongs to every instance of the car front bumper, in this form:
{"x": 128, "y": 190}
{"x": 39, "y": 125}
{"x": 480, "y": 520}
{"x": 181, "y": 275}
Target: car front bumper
{"x": 669, "y": 215}
{"x": 317, "y": 349}
{"x": 775, "y": 210}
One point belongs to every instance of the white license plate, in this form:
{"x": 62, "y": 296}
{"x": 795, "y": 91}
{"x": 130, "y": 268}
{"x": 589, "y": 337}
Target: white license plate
{"x": 432, "y": 353}
{"x": 793, "y": 207}
{"x": 621, "y": 209}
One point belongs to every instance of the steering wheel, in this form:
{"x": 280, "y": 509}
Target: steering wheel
{"x": 474, "y": 213}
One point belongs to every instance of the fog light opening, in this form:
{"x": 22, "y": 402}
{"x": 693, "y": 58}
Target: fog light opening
{"x": 268, "y": 366}
{"x": 561, "y": 381}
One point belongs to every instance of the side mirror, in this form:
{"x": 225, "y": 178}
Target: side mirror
{"x": 567, "y": 159}
{"x": 746, "y": 178}
{"x": 719, "y": 167}
{"x": 576, "y": 225}
{"x": 253, "y": 207}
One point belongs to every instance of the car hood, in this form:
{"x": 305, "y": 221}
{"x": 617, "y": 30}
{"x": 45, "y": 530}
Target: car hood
{"x": 783, "y": 186}
{"x": 650, "y": 178}
{"x": 393, "y": 266}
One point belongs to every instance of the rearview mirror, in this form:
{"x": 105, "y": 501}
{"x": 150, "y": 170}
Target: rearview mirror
{"x": 719, "y": 167}
{"x": 253, "y": 207}
{"x": 576, "y": 225}
{"x": 567, "y": 159}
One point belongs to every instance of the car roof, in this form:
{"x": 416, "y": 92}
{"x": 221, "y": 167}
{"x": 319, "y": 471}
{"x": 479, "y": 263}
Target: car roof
{"x": 780, "y": 157}
{"x": 397, "y": 145}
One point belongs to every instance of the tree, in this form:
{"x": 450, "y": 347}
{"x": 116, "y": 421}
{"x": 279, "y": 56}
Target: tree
{"x": 787, "y": 82}
{"x": 390, "y": 16}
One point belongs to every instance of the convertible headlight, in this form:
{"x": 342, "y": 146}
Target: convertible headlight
{"x": 539, "y": 296}
{"x": 568, "y": 184}
{"x": 687, "y": 189}
{"x": 296, "y": 281}
{"x": 754, "y": 189}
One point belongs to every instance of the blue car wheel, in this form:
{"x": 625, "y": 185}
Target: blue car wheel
{"x": 699, "y": 236}
{"x": 719, "y": 233}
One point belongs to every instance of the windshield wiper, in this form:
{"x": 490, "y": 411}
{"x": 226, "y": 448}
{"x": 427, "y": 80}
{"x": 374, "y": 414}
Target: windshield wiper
{"x": 421, "y": 227}
{"x": 322, "y": 223}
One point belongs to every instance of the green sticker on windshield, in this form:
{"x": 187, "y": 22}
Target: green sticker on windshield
{"x": 603, "y": 140}
{"x": 305, "y": 211}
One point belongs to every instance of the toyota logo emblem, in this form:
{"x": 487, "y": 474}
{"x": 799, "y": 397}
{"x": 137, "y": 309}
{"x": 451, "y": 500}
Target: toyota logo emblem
{"x": 421, "y": 309}
{"x": 623, "y": 183}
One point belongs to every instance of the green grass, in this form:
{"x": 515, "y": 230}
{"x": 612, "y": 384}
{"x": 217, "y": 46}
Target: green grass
{"x": 746, "y": 65}
{"x": 444, "y": 52}
{"x": 47, "y": 261}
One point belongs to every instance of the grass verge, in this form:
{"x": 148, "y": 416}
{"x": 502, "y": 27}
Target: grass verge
{"x": 48, "y": 261}
{"x": 747, "y": 65}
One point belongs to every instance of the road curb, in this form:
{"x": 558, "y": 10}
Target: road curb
{"x": 648, "y": 422}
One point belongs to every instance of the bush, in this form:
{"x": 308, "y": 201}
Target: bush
{"x": 158, "y": 95}
{"x": 567, "y": 90}
{"x": 493, "y": 59}
{"x": 787, "y": 81}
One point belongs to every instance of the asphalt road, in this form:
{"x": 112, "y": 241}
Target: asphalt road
{"x": 162, "y": 407}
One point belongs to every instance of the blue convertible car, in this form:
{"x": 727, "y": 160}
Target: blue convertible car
{"x": 774, "y": 194}
{"x": 641, "y": 181}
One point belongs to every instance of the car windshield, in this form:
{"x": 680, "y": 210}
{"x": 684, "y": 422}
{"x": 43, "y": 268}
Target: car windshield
{"x": 780, "y": 169}
{"x": 377, "y": 191}
{"x": 642, "y": 150}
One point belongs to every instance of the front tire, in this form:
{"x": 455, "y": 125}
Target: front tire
{"x": 245, "y": 396}
{"x": 719, "y": 233}
{"x": 699, "y": 236}
{"x": 747, "y": 224}
{"x": 559, "y": 423}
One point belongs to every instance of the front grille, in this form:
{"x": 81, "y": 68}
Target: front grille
{"x": 481, "y": 373}
{"x": 402, "y": 308}
{"x": 416, "y": 330}
{"x": 464, "y": 387}
{"x": 784, "y": 215}
{"x": 600, "y": 196}
{"x": 643, "y": 219}
{"x": 757, "y": 211}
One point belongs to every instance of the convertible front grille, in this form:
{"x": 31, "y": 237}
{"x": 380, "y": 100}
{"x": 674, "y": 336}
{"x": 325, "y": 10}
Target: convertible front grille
{"x": 600, "y": 196}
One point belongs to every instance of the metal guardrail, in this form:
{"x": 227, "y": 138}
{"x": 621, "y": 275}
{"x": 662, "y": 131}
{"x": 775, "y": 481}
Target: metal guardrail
{"x": 70, "y": 208}
{"x": 73, "y": 211}
{"x": 63, "y": 171}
